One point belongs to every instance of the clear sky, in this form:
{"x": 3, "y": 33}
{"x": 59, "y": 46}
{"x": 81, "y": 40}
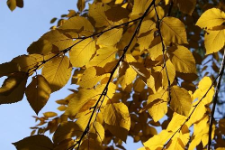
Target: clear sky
{"x": 18, "y": 29}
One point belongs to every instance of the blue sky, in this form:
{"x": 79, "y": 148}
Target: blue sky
{"x": 18, "y": 29}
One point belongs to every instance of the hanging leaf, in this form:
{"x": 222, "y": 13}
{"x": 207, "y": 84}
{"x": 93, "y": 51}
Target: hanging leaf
{"x": 8, "y": 68}
{"x": 80, "y": 24}
{"x": 173, "y": 30}
{"x": 182, "y": 59}
{"x": 81, "y": 53}
{"x": 81, "y": 5}
{"x": 97, "y": 12}
{"x": 180, "y": 100}
{"x": 66, "y": 131}
{"x": 104, "y": 55}
{"x": 13, "y": 88}
{"x": 57, "y": 72}
{"x": 38, "y": 93}
{"x": 211, "y": 18}
{"x": 117, "y": 118}
{"x": 91, "y": 77}
{"x": 214, "y": 41}
{"x": 157, "y": 105}
{"x": 11, "y": 4}
{"x": 110, "y": 38}
{"x": 40, "y": 47}
{"x": 36, "y": 142}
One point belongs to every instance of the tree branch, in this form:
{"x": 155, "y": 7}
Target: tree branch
{"x": 215, "y": 99}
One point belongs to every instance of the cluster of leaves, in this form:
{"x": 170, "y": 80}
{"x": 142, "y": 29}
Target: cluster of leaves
{"x": 12, "y": 4}
{"x": 135, "y": 72}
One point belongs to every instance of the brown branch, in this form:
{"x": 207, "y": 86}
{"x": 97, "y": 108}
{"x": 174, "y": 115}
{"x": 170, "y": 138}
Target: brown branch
{"x": 170, "y": 8}
{"x": 215, "y": 99}
{"x": 163, "y": 51}
{"x": 104, "y": 92}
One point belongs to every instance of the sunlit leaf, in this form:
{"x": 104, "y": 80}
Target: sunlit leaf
{"x": 211, "y": 18}
{"x": 180, "y": 100}
{"x": 117, "y": 117}
{"x": 214, "y": 41}
{"x": 110, "y": 38}
{"x": 182, "y": 59}
{"x": 103, "y": 56}
{"x": 81, "y": 53}
{"x": 173, "y": 30}
{"x": 38, "y": 93}
{"x": 57, "y": 72}
{"x": 97, "y": 12}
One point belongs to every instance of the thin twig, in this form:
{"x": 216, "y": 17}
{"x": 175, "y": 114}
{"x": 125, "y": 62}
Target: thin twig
{"x": 163, "y": 51}
{"x": 215, "y": 99}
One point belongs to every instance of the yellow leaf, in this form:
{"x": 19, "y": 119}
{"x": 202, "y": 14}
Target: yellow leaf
{"x": 57, "y": 72}
{"x": 81, "y": 5}
{"x": 58, "y": 39}
{"x": 139, "y": 8}
{"x": 81, "y": 53}
{"x": 49, "y": 114}
{"x": 186, "y": 6}
{"x": 103, "y": 56}
{"x": 203, "y": 87}
{"x": 40, "y": 47}
{"x": 110, "y": 38}
{"x": 38, "y": 93}
{"x": 13, "y": 88}
{"x": 173, "y": 31}
{"x": 214, "y": 41}
{"x": 157, "y": 105}
{"x": 180, "y": 100}
{"x": 99, "y": 130}
{"x": 128, "y": 78}
{"x": 155, "y": 49}
{"x": 26, "y": 63}
{"x": 78, "y": 100}
{"x": 176, "y": 122}
{"x": 36, "y": 142}
{"x": 211, "y": 18}
{"x": 182, "y": 59}
{"x": 97, "y": 12}
{"x": 84, "y": 118}
{"x": 91, "y": 77}
{"x": 145, "y": 40}
{"x": 158, "y": 141}
{"x": 8, "y": 68}
{"x": 11, "y": 4}
{"x": 171, "y": 73}
{"x": 65, "y": 131}
{"x": 80, "y": 24}
{"x": 146, "y": 26}
{"x": 117, "y": 118}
